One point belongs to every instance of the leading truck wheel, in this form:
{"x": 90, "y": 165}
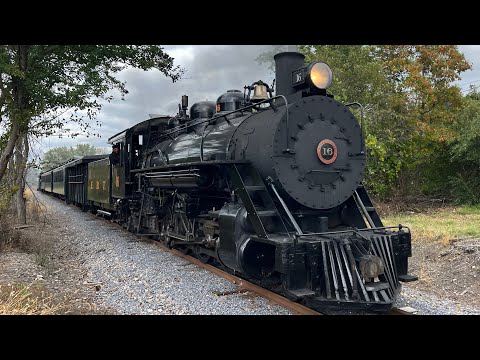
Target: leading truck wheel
{"x": 203, "y": 258}
{"x": 184, "y": 249}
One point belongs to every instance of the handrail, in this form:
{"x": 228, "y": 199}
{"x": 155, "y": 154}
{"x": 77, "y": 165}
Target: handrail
{"x": 285, "y": 208}
{"x": 362, "y": 112}
{"x": 355, "y": 231}
{"x": 360, "y": 203}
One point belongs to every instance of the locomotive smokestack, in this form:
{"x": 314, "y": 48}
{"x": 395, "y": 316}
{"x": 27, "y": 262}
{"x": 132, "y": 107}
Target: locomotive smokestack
{"x": 184, "y": 105}
{"x": 285, "y": 64}
{"x": 184, "y": 102}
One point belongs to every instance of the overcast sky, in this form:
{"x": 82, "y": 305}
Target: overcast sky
{"x": 210, "y": 71}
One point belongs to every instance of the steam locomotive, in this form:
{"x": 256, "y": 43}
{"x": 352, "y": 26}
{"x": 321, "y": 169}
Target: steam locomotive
{"x": 266, "y": 186}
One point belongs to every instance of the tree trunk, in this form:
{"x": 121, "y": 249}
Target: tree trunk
{"x": 21, "y": 157}
{"x": 20, "y": 117}
{"x": 7, "y": 152}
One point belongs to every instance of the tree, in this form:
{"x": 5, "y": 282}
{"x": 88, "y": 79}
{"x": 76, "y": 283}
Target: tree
{"x": 59, "y": 155}
{"x": 20, "y": 169}
{"x": 42, "y": 87}
{"x": 358, "y": 75}
{"x": 463, "y": 162}
{"x": 423, "y": 78}
{"x": 410, "y": 102}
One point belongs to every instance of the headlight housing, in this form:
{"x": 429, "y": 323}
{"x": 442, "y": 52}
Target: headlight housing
{"x": 319, "y": 75}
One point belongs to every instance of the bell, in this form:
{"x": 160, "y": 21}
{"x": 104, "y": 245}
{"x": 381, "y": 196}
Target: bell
{"x": 259, "y": 93}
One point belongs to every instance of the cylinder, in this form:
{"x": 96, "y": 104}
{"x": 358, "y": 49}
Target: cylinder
{"x": 323, "y": 223}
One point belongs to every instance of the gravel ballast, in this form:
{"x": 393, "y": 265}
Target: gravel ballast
{"x": 136, "y": 277}
{"x": 429, "y": 304}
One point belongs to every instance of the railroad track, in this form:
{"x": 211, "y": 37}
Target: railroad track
{"x": 243, "y": 284}
{"x": 397, "y": 311}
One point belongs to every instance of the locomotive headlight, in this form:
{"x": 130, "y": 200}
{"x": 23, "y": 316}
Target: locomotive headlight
{"x": 319, "y": 75}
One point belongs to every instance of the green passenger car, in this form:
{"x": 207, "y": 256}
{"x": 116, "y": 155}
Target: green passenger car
{"x": 118, "y": 181}
{"x": 58, "y": 181}
{"x": 46, "y": 181}
{"x": 99, "y": 183}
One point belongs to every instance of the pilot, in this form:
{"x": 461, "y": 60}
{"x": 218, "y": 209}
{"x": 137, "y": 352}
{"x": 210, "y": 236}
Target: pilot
{"x": 115, "y": 155}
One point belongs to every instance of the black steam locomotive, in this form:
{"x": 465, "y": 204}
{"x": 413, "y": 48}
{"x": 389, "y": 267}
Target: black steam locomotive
{"x": 267, "y": 186}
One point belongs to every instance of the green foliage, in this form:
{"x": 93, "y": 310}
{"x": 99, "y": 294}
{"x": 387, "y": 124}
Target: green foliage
{"x": 44, "y": 87}
{"x": 464, "y": 153}
{"x": 382, "y": 165}
{"x": 422, "y": 77}
{"x": 58, "y": 78}
{"x": 59, "y": 155}
{"x": 465, "y": 188}
{"x": 7, "y": 190}
{"x": 452, "y": 168}
{"x": 357, "y": 74}
{"x": 466, "y": 146}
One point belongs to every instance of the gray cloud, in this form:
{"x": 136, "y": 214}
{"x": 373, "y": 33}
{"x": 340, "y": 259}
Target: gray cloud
{"x": 472, "y": 54}
{"x": 210, "y": 71}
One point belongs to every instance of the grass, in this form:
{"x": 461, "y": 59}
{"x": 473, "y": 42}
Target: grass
{"x": 444, "y": 225}
{"x": 8, "y": 236}
{"x": 39, "y": 298}
{"x": 34, "y": 299}
{"x": 35, "y": 209}
{"x": 21, "y": 299}
{"x": 28, "y": 194}
{"x": 40, "y": 246}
